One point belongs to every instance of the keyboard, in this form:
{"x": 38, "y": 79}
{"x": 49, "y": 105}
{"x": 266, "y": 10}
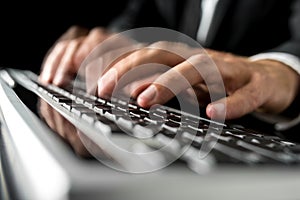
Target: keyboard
{"x": 162, "y": 135}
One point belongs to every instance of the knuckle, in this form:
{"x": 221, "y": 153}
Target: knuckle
{"x": 75, "y": 42}
{"x": 160, "y": 45}
{"x": 133, "y": 59}
{"x": 254, "y": 98}
{"x": 164, "y": 92}
{"x": 202, "y": 63}
{"x": 97, "y": 31}
{"x": 203, "y": 58}
{"x": 97, "y": 35}
{"x": 229, "y": 60}
{"x": 61, "y": 44}
{"x": 74, "y": 28}
{"x": 74, "y": 32}
{"x": 150, "y": 52}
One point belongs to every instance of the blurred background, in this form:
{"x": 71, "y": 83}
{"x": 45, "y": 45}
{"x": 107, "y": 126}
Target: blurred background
{"x": 27, "y": 30}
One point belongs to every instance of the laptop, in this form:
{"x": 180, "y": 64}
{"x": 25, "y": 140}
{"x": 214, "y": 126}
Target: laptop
{"x": 64, "y": 143}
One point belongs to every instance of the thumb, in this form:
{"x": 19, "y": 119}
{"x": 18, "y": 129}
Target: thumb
{"x": 241, "y": 102}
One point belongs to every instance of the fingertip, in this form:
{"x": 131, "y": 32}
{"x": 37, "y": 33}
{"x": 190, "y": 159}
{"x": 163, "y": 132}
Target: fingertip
{"x": 62, "y": 79}
{"x": 142, "y": 102}
{"x": 209, "y": 111}
{"x": 216, "y": 111}
{"x": 44, "y": 78}
{"x": 147, "y": 97}
{"x": 58, "y": 80}
{"x": 41, "y": 78}
{"x": 107, "y": 82}
{"x": 100, "y": 87}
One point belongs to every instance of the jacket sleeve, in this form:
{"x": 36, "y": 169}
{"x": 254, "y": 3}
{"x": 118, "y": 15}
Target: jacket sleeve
{"x": 292, "y": 46}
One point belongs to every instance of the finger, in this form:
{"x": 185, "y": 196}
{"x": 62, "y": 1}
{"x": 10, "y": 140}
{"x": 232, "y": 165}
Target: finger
{"x": 146, "y": 55}
{"x": 92, "y": 147}
{"x": 235, "y": 70}
{"x": 72, "y": 137}
{"x": 67, "y": 68}
{"x": 92, "y": 71}
{"x": 241, "y": 102}
{"x": 175, "y": 80}
{"x": 73, "y": 32}
{"x": 46, "y": 113}
{"x": 78, "y": 145}
{"x": 201, "y": 92}
{"x": 95, "y": 36}
{"x": 95, "y": 67}
{"x": 59, "y": 124}
{"x": 110, "y": 51}
{"x": 52, "y": 61}
{"x": 134, "y": 88}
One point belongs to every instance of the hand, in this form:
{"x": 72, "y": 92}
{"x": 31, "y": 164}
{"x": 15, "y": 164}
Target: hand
{"x": 265, "y": 86}
{"x": 82, "y": 145}
{"x": 63, "y": 127}
{"x": 67, "y": 54}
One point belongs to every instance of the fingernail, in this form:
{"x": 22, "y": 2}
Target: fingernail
{"x": 107, "y": 82}
{"x": 216, "y": 110}
{"x": 45, "y": 77}
{"x": 58, "y": 79}
{"x": 147, "y": 96}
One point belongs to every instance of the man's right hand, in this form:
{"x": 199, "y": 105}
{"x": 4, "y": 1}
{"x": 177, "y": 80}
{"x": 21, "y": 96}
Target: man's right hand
{"x": 67, "y": 54}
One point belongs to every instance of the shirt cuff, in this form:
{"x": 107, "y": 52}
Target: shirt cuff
{"x": 280, "y": 124}
{"x": 286, "y": 58}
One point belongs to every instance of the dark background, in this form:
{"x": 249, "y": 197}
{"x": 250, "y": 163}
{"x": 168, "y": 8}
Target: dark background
{"x": 27, "y": 30}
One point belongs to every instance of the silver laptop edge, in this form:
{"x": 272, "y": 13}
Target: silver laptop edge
{"x": 44, "y": 171}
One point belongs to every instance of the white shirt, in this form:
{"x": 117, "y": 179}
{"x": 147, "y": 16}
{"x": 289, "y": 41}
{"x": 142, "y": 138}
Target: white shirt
{"x": 208, "y": 9}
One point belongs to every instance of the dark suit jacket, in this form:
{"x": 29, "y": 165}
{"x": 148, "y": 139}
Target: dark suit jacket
{"x": 244, "y": 27}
